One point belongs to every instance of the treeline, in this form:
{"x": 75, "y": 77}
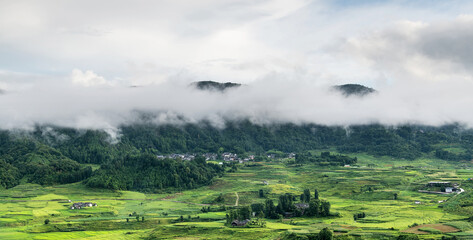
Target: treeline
{"x": 36, "y": 163}
{"x": 446, "y": 155}
{"x": 239, "y": 137}
{"x": 409, "y": 141}
{"x": 325, "y": 158}
{"x": 144, "y": 172}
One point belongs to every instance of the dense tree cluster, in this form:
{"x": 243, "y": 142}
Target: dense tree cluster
{"x": 144, "y": 172}
{"x": 287, "y": 206}
{"x": 446, "y": 155}
{"x": 325, "y": 158}
{"x": 357, "y": 216}
{"x": 36, "y": 162}
{"x": 318, "y": 208}
{"x": 241, "y": 214}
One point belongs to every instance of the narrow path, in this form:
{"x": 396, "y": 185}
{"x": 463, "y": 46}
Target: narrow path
{"x": 238, "y": 198}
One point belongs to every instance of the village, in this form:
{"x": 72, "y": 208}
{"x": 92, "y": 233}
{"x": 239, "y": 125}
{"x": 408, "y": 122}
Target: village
{"x": 226, "y": 156}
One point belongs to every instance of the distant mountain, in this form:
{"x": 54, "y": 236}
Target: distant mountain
{"x": 212, "y": 86}
{"x": 354, "y": 89}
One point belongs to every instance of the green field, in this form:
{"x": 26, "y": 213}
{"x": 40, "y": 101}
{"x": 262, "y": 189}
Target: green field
{"x": 24, "y": 208}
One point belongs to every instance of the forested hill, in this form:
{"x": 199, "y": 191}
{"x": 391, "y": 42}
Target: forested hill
{"x": 215, "y": 86}
{"x": 354, "y": 89}
{"x": 36, "y": 163}
{"x": 51, "y": 155}
{"x": 239, "y": 137}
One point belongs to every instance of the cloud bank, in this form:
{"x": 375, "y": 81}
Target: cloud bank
{"x": 122, "y": 60}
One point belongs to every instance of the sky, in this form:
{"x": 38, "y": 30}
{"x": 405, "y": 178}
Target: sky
{"x": 97, "y": 64}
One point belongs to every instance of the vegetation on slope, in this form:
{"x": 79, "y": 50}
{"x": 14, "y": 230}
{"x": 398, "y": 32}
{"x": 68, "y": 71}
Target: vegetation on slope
{"x": 146, "y": 173}
{"x": 36, "y": 163}
{"x": 354, "y": 90}
{"x": 215, "y": 86}
{"x": 51, "y": 155}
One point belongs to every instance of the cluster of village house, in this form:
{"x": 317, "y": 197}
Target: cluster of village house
{"x": 227, "y": 157}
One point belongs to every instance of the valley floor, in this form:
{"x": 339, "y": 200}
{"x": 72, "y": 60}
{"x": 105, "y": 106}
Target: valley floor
{"x": 369, "y": 187}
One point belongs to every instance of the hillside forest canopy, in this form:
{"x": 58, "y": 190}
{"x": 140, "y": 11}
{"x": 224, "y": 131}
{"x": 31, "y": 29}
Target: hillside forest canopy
{"x": 53, "y": 155}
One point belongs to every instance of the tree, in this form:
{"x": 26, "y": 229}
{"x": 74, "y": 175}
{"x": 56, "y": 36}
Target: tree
{"x": 395, "y": 196}
{"x": 325, "y": 209}
{"x": 314, "y": 208}
{"x": 244, "y": 213}
{"x": 142, "y": 219}
{"x": 46, "y": 221}
{"x": 261, "y": 193}
{"x": 219, "y": 199}
{"x": 302, "y": 198}
{"x": 316, "y": 194}
{"x": 307, "y": 195}
{"x": 270, "y": 209}
{"x": 257, "y": 207}
{"x": 325, "y": 234}
{"x": 279, "y": 208}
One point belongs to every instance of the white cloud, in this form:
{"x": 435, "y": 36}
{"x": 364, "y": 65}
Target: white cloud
{"x": 435, "y": 51}
{"x": 288, "y": 52}
{"x": 87, "y": 78}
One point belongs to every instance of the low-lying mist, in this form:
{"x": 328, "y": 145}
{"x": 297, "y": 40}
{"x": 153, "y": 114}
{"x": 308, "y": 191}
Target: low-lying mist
{"x": 265, "y": 101}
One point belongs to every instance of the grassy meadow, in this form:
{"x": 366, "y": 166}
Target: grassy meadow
{"x": 24, "y": 208}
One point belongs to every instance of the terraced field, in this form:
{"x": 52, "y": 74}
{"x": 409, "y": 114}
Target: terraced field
{"x": 24, "y": 209}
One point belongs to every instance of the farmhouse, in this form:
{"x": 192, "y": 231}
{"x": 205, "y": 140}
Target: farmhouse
{"x": 229, "y": 157}
{"x": 80, "y": 205}
{"x": 441, "y": 188}
{"x": 302, "y": 207}
{"x": 238, "y": 223}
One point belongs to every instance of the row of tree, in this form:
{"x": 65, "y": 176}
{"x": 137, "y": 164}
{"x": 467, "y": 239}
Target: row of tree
{"x": 325, "y": 158}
